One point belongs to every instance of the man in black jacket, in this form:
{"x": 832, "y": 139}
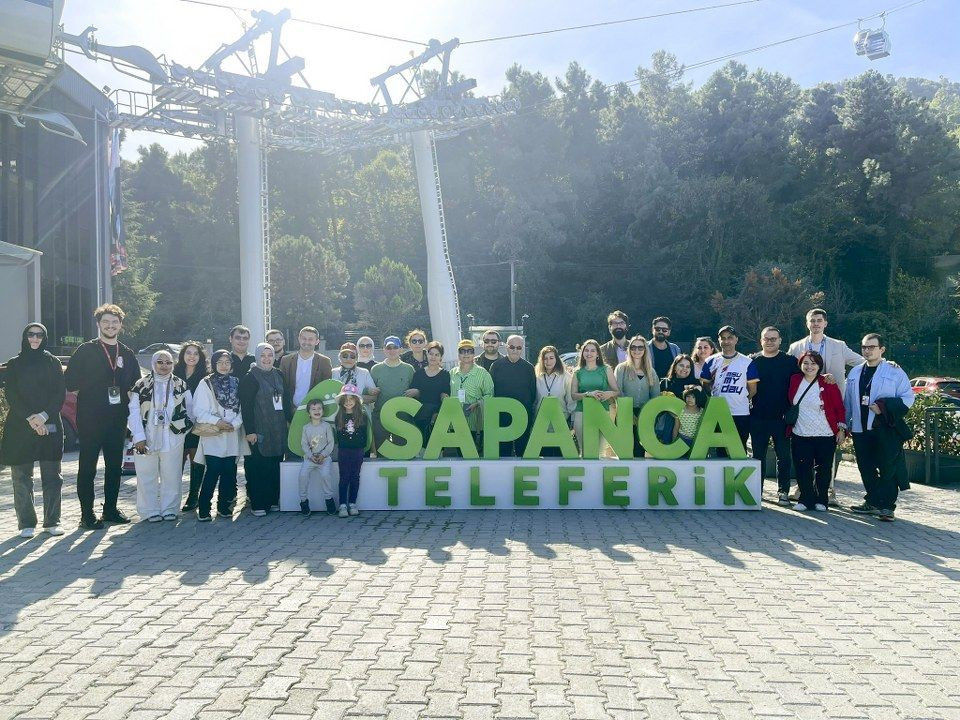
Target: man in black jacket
{"x": 515, "y": 378}
{"x": 102, "y": 371}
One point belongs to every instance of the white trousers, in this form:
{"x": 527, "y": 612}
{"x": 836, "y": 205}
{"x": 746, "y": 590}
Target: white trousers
{"x": 159, "y": 477}
{"x": 322, "y": 470}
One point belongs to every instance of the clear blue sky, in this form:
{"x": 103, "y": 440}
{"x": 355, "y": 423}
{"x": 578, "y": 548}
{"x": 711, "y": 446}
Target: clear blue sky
{"x": 924, "y": 38}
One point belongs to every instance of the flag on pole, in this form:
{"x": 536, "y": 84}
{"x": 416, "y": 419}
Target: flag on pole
{"x": 118, "y": 250}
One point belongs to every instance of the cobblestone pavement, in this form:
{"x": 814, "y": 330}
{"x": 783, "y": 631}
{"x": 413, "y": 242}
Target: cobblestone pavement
{"x": 478, "y": 614}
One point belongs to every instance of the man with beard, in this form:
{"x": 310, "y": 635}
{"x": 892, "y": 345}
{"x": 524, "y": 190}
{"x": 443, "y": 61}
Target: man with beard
{"x": 102, "y": 371}
{"x": 662, "y": 351}
{"x": 614, "y": 351}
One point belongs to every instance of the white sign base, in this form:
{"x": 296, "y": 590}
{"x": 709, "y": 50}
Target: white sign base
{"x": 545, "y": 484}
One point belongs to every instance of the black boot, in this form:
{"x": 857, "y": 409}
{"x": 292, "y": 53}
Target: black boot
{"x": 113, "y": 515}
{"x": 331, "y": 506}
{"x": 305, "y": 507}
{"x": 196, "y": 480}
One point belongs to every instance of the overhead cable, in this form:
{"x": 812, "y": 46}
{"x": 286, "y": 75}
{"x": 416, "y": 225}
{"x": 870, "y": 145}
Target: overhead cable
{"x": 608, "y": 23}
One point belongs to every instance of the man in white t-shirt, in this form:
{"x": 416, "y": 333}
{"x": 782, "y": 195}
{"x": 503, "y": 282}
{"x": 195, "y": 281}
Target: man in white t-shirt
{"x": 732, "y": 376}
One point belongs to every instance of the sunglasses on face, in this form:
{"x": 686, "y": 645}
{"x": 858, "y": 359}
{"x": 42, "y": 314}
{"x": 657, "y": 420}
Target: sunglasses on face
{"x": 417, "y": 341}
{"x": 465, "y": 351}
{"x": 35, "y": 335}
{"x": 366, "y": 345}
{"x": 490, "y": 342}
{"x": 638, "y": 347}
{"x": 348, "y": 356}
{"x": 514, "y": 347}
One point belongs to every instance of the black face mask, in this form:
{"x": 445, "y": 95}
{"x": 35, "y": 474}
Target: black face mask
{"x": 618, "y": 333}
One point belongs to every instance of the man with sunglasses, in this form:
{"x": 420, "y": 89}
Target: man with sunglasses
{"x": 662, "y": 351}
{"x": 873, "y": 389}
{"x": 515, "y": 378}
{"x": 491, "y": 350}
{"x": 102, "y": 371}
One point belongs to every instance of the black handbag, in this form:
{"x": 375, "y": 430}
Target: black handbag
{"x": 792, "y": 414}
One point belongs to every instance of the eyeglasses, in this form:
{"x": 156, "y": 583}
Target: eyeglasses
{"x": 35, "y": 335}
{"x": 662, "y": 329}
{"x": 869, "y": 347}
{"x": 770, "y": 339}
{"x": 638, "y": 347}
{"x": 348, "y": 356}
{"x": 417, "y": 341}
{"x": 366, "y": 345}
{"x": 514, "y": 347}
{"x": 465, "y": 351}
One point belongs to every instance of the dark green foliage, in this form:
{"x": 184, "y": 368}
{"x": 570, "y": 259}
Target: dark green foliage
{"x": 651, "y": 197}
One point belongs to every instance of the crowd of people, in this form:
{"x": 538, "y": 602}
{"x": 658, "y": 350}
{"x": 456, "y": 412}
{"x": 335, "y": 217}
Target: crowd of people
{"x": 211, "y": 413}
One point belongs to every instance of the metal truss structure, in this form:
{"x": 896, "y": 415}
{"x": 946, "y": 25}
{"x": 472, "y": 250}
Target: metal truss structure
{"x": 261, "y": 109}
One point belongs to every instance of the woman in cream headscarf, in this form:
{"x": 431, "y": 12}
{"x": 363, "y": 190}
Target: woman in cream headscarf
{"x": 365, "y": 358}
{"x": 158, "y": 421}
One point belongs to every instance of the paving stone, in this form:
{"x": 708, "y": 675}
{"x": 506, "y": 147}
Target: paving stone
{"x": 479, "y": 615}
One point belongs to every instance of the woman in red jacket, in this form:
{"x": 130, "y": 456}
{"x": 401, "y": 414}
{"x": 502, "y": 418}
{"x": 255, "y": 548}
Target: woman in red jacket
{"x": 817, "y": 432}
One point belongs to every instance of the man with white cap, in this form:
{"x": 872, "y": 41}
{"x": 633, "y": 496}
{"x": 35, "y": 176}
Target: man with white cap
{"x": 392, "y": 377}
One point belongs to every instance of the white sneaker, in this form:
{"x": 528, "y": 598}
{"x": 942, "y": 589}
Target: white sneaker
{"x": 54, "y": 530}
{"x": 155, "y": 518}
{"x": 820, "y": 507}
{"x": 343, "y": 512}
{"x": 27, "y": 532}
{"x": 354, "y": 510}
{"x": 274, "y": 508}
{"x": 800, "y": 507}
{"x": 258, "y": 513}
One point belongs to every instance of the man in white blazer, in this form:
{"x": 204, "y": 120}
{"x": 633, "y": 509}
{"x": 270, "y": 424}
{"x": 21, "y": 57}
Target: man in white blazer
{"x": 874, "y": 380}
{"x": 837, "y": 356}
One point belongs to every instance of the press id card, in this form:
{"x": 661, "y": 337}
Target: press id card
{"x": 277, "y": 402}
{"x": 113, "y": 394}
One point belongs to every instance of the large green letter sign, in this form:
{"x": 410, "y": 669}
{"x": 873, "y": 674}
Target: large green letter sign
{"x": 596, "y": 421}
{"x": 395, "y": 425}
{"x": 717, "y": 430}
{"x": 550, "y": 430}
{"x": 646, "y": 432}
{"x": 451, "y": 431}
{"x": 493, "y": 432}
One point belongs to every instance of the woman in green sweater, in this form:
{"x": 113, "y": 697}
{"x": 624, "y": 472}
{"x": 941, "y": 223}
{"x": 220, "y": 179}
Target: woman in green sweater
{"x": 592, "y": 378}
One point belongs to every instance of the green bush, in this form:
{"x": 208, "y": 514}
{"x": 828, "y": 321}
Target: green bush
{"x": 949, "y": 424}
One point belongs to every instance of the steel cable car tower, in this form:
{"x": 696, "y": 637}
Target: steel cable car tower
{"x": 260, "y": 109}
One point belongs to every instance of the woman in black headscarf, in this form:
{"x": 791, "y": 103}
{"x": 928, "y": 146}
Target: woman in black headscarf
{"x": 261, "y": 407}
{"x": 33, "y": 431}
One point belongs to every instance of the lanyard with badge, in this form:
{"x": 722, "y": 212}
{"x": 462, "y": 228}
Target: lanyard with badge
{"x": 548, "y": 384}
{"x": 865, "y": 398}
{"x": 113, "y": 392}
{"x": 160, "y": 411}
{"x": 461, "y": 393}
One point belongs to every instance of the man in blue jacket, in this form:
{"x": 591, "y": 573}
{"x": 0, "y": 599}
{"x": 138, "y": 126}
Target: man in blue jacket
{"x": 873, "y": 380}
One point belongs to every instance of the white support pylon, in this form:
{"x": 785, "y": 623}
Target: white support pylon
{"x": 250, "y": 220}
{"x": 441, "y": 290}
